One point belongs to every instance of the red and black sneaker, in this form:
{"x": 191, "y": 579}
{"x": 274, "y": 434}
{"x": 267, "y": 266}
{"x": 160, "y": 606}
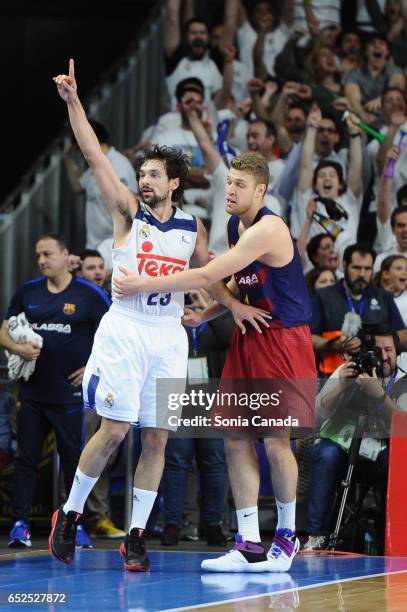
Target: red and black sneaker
{"x": 133, "y": 549}
{"x": 62, "y": 538}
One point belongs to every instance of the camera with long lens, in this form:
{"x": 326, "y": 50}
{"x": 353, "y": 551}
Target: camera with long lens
{"x": 370, "y": 356}
{"x": 335, "y": 211}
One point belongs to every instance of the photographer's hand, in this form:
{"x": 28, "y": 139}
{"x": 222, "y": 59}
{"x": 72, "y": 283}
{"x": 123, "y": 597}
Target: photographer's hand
{"x": 347, "y": 371}
{"x": 351, "y": 345}
{"x": 371, "y": 385}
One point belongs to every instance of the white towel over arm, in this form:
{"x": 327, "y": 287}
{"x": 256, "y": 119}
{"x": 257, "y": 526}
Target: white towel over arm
{"x": 21, "y": 332}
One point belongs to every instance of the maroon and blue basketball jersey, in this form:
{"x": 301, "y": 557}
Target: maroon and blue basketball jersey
{"x": 282, "y": 291}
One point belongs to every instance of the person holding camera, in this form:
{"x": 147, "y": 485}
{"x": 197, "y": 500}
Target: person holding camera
{"x": 367, "y": 382}
{"x": 338, "y": 204}
{"x": 339, "y": 311}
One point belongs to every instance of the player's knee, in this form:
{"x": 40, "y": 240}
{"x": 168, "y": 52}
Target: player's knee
{"x": 237, "y": 444}
{"x": 113, "y": 434}
{"x": 278, "y": 450}
{"x": 154, "y": 441}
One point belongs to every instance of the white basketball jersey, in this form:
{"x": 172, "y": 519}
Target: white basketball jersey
{"x": 156, "y": 249}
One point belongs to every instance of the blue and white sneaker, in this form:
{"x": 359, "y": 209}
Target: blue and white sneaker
{"x": 283, "y": 550}
{"x": 245, "y": 556}
{"x": 82, "y": 540}
{"x": 20, "y": 535}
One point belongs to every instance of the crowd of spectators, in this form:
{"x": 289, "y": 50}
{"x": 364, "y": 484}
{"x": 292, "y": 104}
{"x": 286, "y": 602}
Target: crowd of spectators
{"x": 319, "y": 89}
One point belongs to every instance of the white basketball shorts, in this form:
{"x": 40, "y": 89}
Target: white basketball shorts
{"x": 130, "y": 352}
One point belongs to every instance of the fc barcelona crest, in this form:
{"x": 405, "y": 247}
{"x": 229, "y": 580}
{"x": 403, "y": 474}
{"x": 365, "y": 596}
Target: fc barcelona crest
{"x": 69, "y": 309}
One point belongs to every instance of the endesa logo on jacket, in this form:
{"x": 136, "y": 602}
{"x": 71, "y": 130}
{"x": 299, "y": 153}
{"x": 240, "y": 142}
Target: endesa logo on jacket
{"x": 157, "y": 265}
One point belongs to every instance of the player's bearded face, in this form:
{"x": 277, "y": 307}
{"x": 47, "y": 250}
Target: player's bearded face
{"x": 154, "y": 183}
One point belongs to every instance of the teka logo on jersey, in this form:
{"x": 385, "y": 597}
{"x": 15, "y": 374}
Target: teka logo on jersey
{"x": 250, "y": 279}
{"x": 157, "y": 265}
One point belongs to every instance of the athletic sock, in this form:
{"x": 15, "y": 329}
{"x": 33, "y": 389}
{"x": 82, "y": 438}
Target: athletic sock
{"x": 248, "y": 523}
{"x": 143, "y": 502}
{"x": 286, "y": 515}
{"x": 81, "y": 487}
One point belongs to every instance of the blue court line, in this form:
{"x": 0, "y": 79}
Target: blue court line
{"x": 97, "y": 579}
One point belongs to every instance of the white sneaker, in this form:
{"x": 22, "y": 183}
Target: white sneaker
{"x": 243, "y": 557}
{"x": 283, "y": 550}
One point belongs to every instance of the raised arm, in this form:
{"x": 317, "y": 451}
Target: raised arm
{"x": 120, "y": 200}
{"x": 290, "y": 88}
{"x": 210, "y": 153}
{"x": 256, "y": 89}
{"x": 308, "y": 149}
{"x": 172, "y": 27}
{"x": 304, "y": 235}
{"x": 354, "y": 95}
{"x": 355, "y": 181}
{"x": 222, "y": 96}
{"x": 396, "y": 121}
{"x": 260, "y": 70}
{"x": 384, "y": 203}
{"x": 233, "y": 17}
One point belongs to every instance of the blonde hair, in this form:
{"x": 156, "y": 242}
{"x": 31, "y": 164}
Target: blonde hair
{"x": 254, "y": 164}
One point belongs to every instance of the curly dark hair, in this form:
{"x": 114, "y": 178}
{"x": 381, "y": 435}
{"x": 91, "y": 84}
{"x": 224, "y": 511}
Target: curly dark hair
{"x": 175, "y": 162}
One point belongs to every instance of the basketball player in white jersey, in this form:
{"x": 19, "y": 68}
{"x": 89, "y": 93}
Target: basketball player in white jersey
{"x": 141, "y": 338}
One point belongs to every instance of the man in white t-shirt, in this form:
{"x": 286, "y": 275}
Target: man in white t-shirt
{"x": 327, "y": 181}
{"x": 98, "y": 220}
{"x": 190, "y": 59}
{"x": 262, "y": 22}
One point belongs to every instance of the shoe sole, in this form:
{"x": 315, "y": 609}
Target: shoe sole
{"x": 54, "y": 521}
{"x": 19, "y": 544}
{"x": 131, "y": 568}
{"x": 247, "y": 568}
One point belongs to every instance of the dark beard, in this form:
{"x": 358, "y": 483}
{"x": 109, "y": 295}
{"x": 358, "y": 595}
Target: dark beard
{"x": 197, "y": 50}
{"x": 156, "y": 200}
{"x": 356, "y": 287}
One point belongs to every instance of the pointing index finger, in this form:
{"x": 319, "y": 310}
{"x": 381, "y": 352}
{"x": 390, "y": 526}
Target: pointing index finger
{"x": 71, "y": 69}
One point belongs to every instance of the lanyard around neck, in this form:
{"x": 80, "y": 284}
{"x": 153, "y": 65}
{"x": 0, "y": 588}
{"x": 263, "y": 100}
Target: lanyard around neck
{"x": 351, "y": 305}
